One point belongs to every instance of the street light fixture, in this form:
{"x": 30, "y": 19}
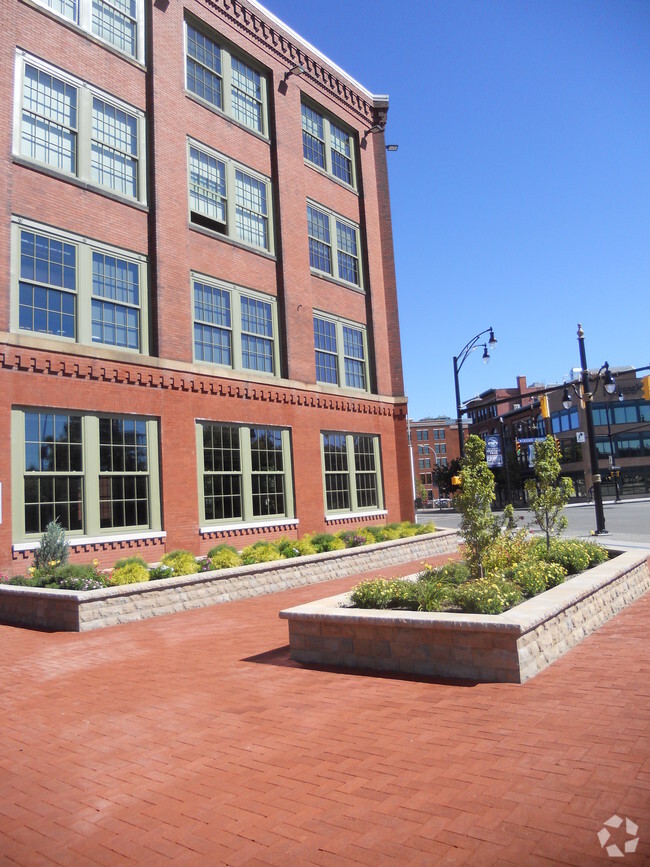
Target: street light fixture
{"x": 459, "y": 360}
{"x": 609, "y": 384}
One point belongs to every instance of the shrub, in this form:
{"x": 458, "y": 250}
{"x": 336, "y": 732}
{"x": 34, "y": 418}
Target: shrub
{"x": 487, "y": 596}
{"x": 382, "y": 593}
{"x": 506, "y": 552}
{"x": 260, "y": 552}
{"x": 376, "y": 531}
{"x": 406, "y": 529}
{"x": 453, "y": 572}
{"x": 182, "y": 562}
{"x": 295, "y": 547}
{"x": 77, "y": 576}
{"x": 130, "y": 570}
{"x": 53, "y": 549}
{"x": 223, "y": 557}
{"x": 160, "y": 572}
{"x": 356, "y": 538}
{"x": 573, "y": 554}
{"x": 536, "y": 576}
{"x": 434, "y": 595}
{"x": 421, "y": 529}
{"x": 326, "y": 542}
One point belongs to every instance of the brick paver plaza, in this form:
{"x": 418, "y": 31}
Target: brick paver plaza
{"x": 193, "y": 738}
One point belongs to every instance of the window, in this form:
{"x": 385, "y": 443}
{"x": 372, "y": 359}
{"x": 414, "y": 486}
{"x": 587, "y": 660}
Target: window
{"x": 224, "y": 81}
{"x": 245, "y": 473}
{"x": 228, "y": 198}
{"x": 93, "y": 474}
{"x": 72, "y": 128}
{"x": 327, "y": 145}
{"x": 439, "y": 434}
{"x": 423, "y": 435}
{"x": 333, "y": 245}
{"x": 424, "y": 463}
{"x": 77, "y": 289}
{"x": 340, "y": 352}
{"x": 351, "y": 472}
{"x": 565, "y": 420}
{"x": 116, "y": 22}
{"x": 234, "y": 327}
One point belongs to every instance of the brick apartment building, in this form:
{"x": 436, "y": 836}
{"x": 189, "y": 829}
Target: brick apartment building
{"x": 199, "y": 337}
{"x": 434, "y": 443}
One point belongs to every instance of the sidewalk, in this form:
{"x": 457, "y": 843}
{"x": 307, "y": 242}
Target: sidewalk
{"x": 194, "y": 739}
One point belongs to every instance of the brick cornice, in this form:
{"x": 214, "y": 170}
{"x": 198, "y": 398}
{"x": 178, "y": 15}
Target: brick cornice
{"x": 30, "y": 360}
{"x": 283, "y": 47}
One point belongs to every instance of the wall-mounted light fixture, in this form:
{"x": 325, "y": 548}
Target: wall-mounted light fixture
{"x": 298, "y": 70}
{"x": 376, "y": 127}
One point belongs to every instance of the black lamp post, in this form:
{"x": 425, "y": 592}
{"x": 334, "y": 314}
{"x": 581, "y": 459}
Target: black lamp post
{"x": 459, "y": 360}
{"x": 610, "y": 387}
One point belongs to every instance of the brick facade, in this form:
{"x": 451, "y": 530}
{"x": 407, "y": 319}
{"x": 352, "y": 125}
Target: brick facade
{"x": 41, "y": 371}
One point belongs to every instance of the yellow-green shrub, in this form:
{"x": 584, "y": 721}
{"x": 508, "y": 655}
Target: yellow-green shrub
{"x": 130, "y": 570}
{"x": 182, "y": 562}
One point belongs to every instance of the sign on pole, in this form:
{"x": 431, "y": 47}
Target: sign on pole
{"x": 493, "y": 454}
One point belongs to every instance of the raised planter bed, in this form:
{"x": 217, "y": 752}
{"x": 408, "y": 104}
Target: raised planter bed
{"x": 68, "y": 611}
{"x": 511, "y": 647}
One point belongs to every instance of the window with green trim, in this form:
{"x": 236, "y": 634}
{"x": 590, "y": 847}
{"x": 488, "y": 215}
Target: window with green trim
{"x": 228, "y": 198}
{"x": 328, "y": 145}
{"x": 71, "y": 127}
{"x": 245, "y": 472}
{"x": 77, "y": 289}
{"x": 333, "y": 245}
{"x": 224, "y": 80}
{"x": 234, "y": 327}
{"x": 351, "y": 471}
{"x": 93, "y": 474}
{"x": 341, "y": 351}
{"x": 119, "y": 23}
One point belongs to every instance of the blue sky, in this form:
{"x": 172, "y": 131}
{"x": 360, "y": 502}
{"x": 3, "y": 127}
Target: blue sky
{"x": 521, "y": 188}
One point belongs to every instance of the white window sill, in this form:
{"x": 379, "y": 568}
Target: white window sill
{"x": 83, "y": 541}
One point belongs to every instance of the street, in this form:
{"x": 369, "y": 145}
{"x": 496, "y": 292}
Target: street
{"x": 627, "y": 522}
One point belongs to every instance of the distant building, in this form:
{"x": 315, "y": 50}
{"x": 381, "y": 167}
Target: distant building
{"x": 199, "y": 338}
{"x": 434, "y": 442}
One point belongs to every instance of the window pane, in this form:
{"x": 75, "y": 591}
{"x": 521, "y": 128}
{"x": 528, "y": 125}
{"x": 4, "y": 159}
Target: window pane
{"x": 355, "y": 364}
{"x": 114, "y": 158}
{"x": 115, "y": 22}
{"x": 341, "y": 159}
{"x": 313, "y": 139}
{"x": 251, "y": 210}
{"x": 207, "y": 186}
{"x": 318, "y": 227}
{"x": 326, "y": 351}
{"x": 212, "y": 335}
{"x": 246, "y": 94}
{"x": 346, "y": 240}
{"x": 49, "y": 120}
{"x": 257, "y": 333}
{"x": 203, "y": 67}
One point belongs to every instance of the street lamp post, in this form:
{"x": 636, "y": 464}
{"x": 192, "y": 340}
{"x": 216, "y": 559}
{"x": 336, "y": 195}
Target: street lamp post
{"x": 459, "y": 360}
{"x": 588, "y": 396}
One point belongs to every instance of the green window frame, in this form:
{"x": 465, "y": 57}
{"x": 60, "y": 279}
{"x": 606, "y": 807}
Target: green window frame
{"x": 334, "y": 245}
{"x": 351, "y": 469}
{"x": 96, "y": 474}
{"x": 224, "y": 80}
{"x": 341, "y": 350}
{"x": 328, "y": 145}
{"x": 72, "y": 128}
{"x": 71, "y": 288}
{"x": 244, "y": 474}
{"x": 235, "y": 327}
{"x": 118, "y": 23}
{"x": 228, "y": 198}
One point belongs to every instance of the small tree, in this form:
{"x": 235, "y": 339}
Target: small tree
{"x": 549, "y": 493}
{"x": 478, "y": 526}
{"x": 442, "y": 476}
{"x": 53, "y": 550}
{"x": 420, "y": 491}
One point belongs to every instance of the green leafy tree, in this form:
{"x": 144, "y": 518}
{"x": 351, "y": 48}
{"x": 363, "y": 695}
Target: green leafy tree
{"x": 420, "y": 491}
{"x": 442, "y": 476}
{"x": 478, "y": 526}
{"x": 549, "y": 493}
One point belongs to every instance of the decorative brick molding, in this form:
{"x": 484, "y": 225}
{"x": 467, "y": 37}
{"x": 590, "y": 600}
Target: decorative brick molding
{"x": 511, "y": 647}
{"x": 67, "y": 611}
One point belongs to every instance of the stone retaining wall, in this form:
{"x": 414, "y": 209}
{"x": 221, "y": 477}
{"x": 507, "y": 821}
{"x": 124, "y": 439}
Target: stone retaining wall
{"x": 64, "y": 610}
{"x": 510, "y": 647}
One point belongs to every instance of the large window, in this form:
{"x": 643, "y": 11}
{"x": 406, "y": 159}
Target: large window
{"x": 229, "y": 198}
{"x": 92, "y": 474}
{"x": 234, "y": 327}
{"x": 564, "y": 420}
{"x": 351, "y": 470}
{"x": 245, "y": 473}
{"x": 341, "y": 351}
{"x": 77, "y": 289}
{"x": 223, "y": 80}
{"x": 422, "y": 434}
{"x": 119, "y": 23}
{"x": 70, "y": 127}
{"x": 333, "y": 245}
{"x": 628, "y": 412}
{"x": 327, "y": 145}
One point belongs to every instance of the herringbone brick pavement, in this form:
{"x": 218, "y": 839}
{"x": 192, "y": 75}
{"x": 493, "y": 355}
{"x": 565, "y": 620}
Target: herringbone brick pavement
{"x": 194, "y": 739}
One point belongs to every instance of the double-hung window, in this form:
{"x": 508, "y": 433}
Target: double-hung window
{"x": 93, "y": 474}
{"x": 351, "y": 472}
{"x": 341, "y": 352}
{"x": 72, "y": 128}
{"x": 245, "y": 473}
{"x": 77, "y": 289}
{"x": 223, "y": 80}
{"x": 333, "y": 245}
{"x": 327, "y": 145}
{"x": 119, "y": 23}
{"x": 229, "y": 198}
{"x": 234, "y": 327}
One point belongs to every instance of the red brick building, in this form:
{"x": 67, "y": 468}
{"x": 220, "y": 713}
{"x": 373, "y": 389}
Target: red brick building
{"x": 434, "y": 442}
{"x": 199, "y": 337}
